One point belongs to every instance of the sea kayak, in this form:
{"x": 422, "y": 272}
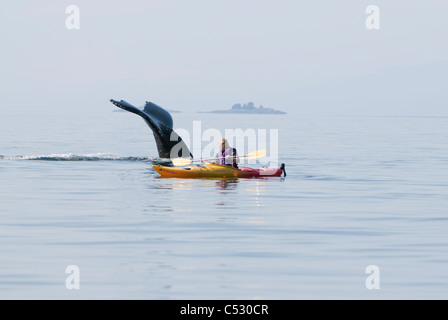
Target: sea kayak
{"x": 210, "y": 170}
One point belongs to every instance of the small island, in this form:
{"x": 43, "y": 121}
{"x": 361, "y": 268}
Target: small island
{"x": 248, "y": 108}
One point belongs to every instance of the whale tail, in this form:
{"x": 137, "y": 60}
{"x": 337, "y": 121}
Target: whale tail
{"x": 169, "y": 143}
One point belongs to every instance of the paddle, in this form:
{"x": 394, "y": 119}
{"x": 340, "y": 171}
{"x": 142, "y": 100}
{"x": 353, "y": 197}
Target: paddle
{"x": 179, "y": 162}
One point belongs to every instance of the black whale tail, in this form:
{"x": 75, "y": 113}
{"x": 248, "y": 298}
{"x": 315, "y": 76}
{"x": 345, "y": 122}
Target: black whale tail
{"x": 169, "y": 143}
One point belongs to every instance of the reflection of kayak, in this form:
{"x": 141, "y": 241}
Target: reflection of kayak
{"x": 210, "y": 170}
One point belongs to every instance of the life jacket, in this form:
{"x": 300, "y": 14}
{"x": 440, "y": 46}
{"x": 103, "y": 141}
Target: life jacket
{"x": 228, "y": 152}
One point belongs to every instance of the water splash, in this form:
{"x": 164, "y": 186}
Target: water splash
{"x": 84, "y": 157}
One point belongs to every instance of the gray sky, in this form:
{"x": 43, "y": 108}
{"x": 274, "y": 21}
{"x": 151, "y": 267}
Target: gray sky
{"x": 198, "y": 54}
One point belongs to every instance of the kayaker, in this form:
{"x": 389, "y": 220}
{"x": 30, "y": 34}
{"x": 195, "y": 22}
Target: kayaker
{"x": 227, "y": 155}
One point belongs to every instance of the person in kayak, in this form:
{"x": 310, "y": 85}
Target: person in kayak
{"x": 227, "y": 155}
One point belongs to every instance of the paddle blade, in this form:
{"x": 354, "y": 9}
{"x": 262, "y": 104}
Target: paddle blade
{"x": 179, "y": 162}
{"x": 257, "y": 154}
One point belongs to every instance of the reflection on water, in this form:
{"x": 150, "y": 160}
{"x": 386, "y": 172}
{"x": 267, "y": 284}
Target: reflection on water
{"x": 257, "y": 189}
{"x": 229, "y": 194}
{"x": 227, "y": 188}
{"x": 153, "y": 209}
{"x": 227, "y": 184}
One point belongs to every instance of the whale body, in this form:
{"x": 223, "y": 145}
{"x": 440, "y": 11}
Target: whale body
{"x": 169, "y": 143}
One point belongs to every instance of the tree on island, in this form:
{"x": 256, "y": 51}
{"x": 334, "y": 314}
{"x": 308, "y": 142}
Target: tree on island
{"x": 248, "y": 106}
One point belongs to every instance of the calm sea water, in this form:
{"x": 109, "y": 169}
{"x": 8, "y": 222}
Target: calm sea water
{"x": 78, "y": 188}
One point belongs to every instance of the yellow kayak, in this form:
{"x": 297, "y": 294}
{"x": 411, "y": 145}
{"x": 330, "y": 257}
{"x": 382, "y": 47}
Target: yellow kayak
{"x": 210, "y": 170}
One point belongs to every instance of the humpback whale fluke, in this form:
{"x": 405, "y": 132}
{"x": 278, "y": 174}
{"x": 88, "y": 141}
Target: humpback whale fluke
{"x": 161, "y": 124}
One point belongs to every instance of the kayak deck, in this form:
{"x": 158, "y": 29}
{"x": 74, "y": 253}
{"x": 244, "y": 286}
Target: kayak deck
{"x": 210, "y": 170}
